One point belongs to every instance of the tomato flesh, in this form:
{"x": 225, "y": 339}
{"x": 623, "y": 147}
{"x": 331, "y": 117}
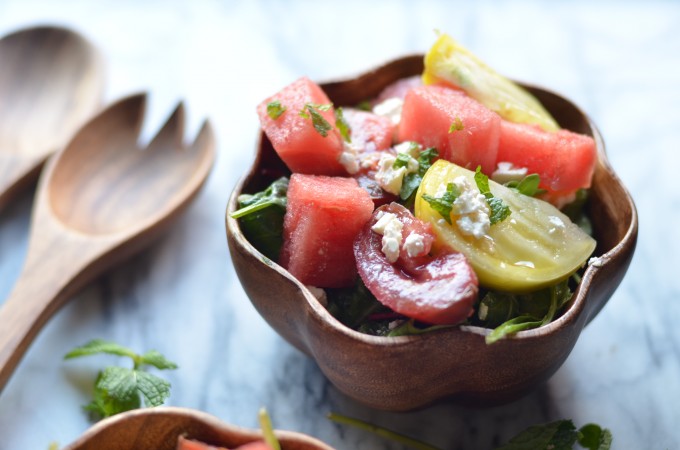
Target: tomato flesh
{"x": 436, "y": 289}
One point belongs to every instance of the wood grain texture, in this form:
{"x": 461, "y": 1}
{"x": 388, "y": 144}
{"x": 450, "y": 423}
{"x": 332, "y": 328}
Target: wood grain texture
{"x": 410, "y": 372}
{"x": 51, "y": 82}
{"x": 159, "y": 428}
{"x": 99, "y": 200}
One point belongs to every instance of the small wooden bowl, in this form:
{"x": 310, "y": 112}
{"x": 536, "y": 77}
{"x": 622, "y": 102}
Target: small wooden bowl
{"x": 159, "y": 428}
{"x": 409, "y": 372}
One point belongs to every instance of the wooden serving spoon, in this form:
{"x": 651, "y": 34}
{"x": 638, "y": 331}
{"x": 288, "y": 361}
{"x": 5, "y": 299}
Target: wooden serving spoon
{"x": 51, "y": 81}
{"x": 99, "y": 200}
{"x": 158, "y": 429}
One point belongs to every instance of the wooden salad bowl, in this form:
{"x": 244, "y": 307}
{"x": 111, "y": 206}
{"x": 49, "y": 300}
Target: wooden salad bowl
{"x": 409, "y": 372}
{"x": 159, "y": 428}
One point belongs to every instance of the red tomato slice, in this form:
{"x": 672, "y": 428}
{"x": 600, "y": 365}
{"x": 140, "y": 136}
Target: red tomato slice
{"x": 439, "y": 289}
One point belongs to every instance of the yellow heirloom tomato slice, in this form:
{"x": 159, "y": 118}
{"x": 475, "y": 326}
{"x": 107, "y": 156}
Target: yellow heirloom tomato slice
{"x": 449, "y": 62}
{"x": 534, "y": 247}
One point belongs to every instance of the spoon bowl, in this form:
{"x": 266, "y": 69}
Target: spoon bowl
{"x": 410, "y": 372}
{"x": 158, "y": 429}
{"x": 52, "y": 80}
{"x": 99, "y": 200}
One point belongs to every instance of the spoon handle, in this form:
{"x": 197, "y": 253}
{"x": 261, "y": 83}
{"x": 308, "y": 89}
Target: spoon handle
{"x": 56, "y": 268}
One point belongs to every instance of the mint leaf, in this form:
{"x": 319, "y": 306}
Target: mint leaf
{"x": 275, "y": 109}
{"x": 320, "y": 124}
{"x": 457, "y": 125}
{"x": 154, "y": 358}
{"x": 119, "y": 389}
{"x": 425, "y": 159}
{"x": 402, "y": 160}
{"x": 499, "y": 210}
{"x": 154, "y": 389}
{"x": 99, "y": 346}
{"x": 594, "y": 437}
{"x": 527, "y": 185}
{"x": 342, "y": 126}
{"x": 540, "y": 437}
{"x": 444, "y": 204}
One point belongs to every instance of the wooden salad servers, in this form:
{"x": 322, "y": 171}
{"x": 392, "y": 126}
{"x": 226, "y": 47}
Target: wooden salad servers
{"x": 158, "y": 429}
{"x": 99, "y": 200}
{"x": 51, "y": 82}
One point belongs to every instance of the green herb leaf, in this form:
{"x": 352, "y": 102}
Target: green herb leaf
{"x": 425, "y": 159}
{"x": 384, "y": 432}
{"x": 342, "y": 125}
{"x": 558, "y": 435}
{"x": 594, "y": 437}
{"x": 364, "y": 105}
{"x": 321, "y": 125}
{"x": 100, "y": 346}
{"x": 499, "y": 210}
{"x": 402, "y": 160}
{"x": 119, "y": 389}
{"x": 261, "y": 215}
{"x": 268, "y": 430}
{"x": 457, "y": 125}
{"x": 527, "y": 185}
{"x": 352, "y": 305}
{"x": 412, "y": 181}
{"x": 444, "y": 204}
{"x": 275, "y": 109}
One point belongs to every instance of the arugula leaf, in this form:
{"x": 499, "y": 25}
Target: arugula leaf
{"x": 321, "y": 125}
{"x": 275, "y": 109}
{"x": 444, "y": 204}
{"x": 342, "y": 126}
{"x": 261, "y": 215}
{"x": 457, "y": 125}
{"x": 384, "y": 432}
{"x": 119, "y": 389}
{"x": 499, "y": 210}
{"x": 352, "y": 305}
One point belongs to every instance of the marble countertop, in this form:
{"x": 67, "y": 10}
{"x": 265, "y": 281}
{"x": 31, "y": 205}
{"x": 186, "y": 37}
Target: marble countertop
{"x": 620, "y": 61}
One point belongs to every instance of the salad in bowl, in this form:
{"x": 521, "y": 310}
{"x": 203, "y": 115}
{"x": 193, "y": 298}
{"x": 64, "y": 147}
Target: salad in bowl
{"x": 429, "y": 229}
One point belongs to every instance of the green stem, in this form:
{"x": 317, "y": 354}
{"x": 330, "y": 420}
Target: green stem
{"x": 389, "y": 434}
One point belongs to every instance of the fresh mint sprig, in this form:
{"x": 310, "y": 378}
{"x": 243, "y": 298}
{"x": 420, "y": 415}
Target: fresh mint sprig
{"x": 312, "y": 110}
{"x": 275, "y": 109}
{"x": 499, "y": 210}
{"x": 444, "y": 204}
{"x": 343, "y": 126}
{"x": 118, "y": 389}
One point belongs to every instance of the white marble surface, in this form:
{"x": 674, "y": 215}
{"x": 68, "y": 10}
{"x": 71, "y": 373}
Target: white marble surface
{"x": 619, "y": 60}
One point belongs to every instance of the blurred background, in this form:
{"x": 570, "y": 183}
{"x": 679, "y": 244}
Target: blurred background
{"x": 618, "y": 60}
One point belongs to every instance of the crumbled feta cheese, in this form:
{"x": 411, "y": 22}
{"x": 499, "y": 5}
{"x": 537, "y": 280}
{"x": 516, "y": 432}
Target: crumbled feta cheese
{"x": 414, "y": 244}
{"x": 410, "y": 148}
{"x": 472, "y": 209}
{"x": 596, "y": 261}
{"x": 506, "y": 171}
{"x": 390, "y": 108}
{"x": 389, "y": 226}
{"x": 349, "y": 157}
{"x": 391, "y": 179}
{"x": 483, "y": 311}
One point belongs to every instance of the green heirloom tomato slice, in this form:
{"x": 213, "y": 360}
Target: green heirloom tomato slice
{"x": 535, "y": 247}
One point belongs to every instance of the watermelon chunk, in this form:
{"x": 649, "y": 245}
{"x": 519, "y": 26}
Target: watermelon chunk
{"x": 370, "y": 132}
{"x": 298, "y": 143}
{"x": 462, "y": 129}
{"x": 323, "y": 217}
{"x": 565, "y": 161}
{"x": 399, "y": 88}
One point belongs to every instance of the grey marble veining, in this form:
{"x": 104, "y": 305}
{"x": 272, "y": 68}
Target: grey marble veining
{"x": 620, "y": 61}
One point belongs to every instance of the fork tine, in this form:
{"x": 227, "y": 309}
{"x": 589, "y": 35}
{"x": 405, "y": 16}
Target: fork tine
{"x": 172, "y": 132}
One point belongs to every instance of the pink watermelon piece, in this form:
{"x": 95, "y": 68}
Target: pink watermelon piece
{"x": 399, "y": 88}
{"x": 370, "y": 131}
{"x": 302, "y": 147}
{"x": 427, "y": 118}
{"x": 565, "y": 161}
{"x": 323, "y": 217}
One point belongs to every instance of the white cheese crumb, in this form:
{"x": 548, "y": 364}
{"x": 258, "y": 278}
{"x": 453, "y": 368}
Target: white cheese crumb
{"x": 472, "y": 208}
{"x": 391, "y": 179}
{"x": 349, "y": 157}
{"x": 506, "y": 171}
{"x": 414, "y": 244}
{"x": 390, "y": 108}
{"x": 483, "y": 311}
{"x": 389, "y": 226}
{"x": 596, "y": 261}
